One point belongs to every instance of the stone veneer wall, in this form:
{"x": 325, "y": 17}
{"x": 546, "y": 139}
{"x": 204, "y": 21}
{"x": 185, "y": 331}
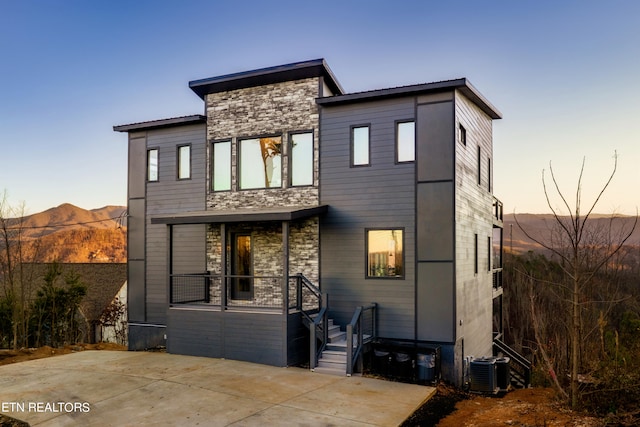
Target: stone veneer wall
{"x": 275, "y": 109}
{"x": 267, "y": 251}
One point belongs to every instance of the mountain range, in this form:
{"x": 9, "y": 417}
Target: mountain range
{"x": 68, "y": 233}
{"x": 542, "y": 226}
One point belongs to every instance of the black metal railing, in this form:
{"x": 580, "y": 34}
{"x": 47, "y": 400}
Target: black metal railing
{"x": 518, "y": 363}
{"x": 497, "y": 209}
{"x": 360, "y": 330}
{"x": 497, "y": 278}
{"x": 190, "y": 288}
{"x": 241, "y": 291}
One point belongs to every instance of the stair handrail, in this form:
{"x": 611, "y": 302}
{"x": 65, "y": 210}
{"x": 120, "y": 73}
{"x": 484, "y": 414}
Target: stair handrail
{"x": 520, "y": 361}
{"x": 302, "y": 281}
{"x": 314, "y": 351}
{"x": 353, "y": 354}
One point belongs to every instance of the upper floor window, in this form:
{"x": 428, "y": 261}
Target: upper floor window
{"x": 221, "y": 164}
{"x": 260, "y": 163}
{"x": 360, "y": 145}
{"x": 405, "y": 141}
{"x": 301, "y": 159}
{"x": 462, "y": 135}
{"x": 184, "y": 162}
{"x": 152, "y": 164}
{"x": 385, "y": 257}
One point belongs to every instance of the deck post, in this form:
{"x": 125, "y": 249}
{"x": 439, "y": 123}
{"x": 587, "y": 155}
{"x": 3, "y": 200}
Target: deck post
{"x": 223, "y": 266}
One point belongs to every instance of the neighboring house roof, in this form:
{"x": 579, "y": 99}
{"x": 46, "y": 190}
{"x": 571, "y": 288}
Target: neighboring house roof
{"x": 277, "y": 213}
{"x": 103, "y": 281}
{"x": 270, "y": 75}
{"x": 163, "y": 123}
{"x": 463, "y": 85}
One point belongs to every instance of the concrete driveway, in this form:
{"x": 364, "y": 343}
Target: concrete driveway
{"x": 118, "y": 388}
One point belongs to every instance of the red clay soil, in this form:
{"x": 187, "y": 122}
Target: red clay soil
{"x": 524, "y": 407}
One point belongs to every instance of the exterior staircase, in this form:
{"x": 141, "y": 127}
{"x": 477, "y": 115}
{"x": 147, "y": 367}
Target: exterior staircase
{"x": 333, "y": 359}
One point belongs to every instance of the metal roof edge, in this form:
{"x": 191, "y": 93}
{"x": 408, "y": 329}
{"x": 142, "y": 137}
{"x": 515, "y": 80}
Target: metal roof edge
{"x": 162, "y": 123}
{"x": 411, "y": 90}
{"x": 269, "y": 75}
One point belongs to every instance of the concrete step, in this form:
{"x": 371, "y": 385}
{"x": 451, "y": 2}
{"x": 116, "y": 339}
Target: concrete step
{"x": 339, "y": 356}
{"x": 331, "y": 371}
{"x": 336, "y": 336}
{"x": 339, "y": 345}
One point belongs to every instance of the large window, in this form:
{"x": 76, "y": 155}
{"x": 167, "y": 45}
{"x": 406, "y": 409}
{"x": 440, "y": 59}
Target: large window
{"x": 152, "y": 164}
{"x": 360, "y": 146}
{"x": 184, "y": 162}
{"x": 221, "y": 161}
{"x": 301, "y": 159}
{"x": 385, "y": 256}
{"x": 261, "y": 163}
{"x": 405, "y": 142}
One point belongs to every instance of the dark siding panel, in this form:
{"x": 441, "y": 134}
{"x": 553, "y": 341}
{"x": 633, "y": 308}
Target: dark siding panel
{"x": 189, "y": 249}
{"x": 137, "y": 167}
{"x": 298, "y": 341}
{"x": 135, "y": 291}
{"x": 435, "y": 299}
{"x": 256, "y": 338}
{"x": 435, "y": 141}
{"x": 378, "y": 196}
{"x": 435, "y": 221}
{"x": 195, "y": 333}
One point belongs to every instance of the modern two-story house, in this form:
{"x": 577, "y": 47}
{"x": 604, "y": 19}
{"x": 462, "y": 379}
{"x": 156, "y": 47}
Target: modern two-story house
{"x": 292, "y": 218}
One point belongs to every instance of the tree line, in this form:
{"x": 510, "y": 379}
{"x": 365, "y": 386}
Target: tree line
{"x": 574, "y": 307}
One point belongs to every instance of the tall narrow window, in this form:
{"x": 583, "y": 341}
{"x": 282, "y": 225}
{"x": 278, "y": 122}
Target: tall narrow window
{"x": 475, "y": 254}
{"x": 405, "y": 142}
{"x": 152, "y": 165}
{"x": 261, "y": 163}
{"x": 221, "y": 161}
{"x": 479, "y": 165}
{"x": 360, "y": 146}
{"x": 489, "y": 253}
{"x": 489, "y": 182}
{"x": 385, "y": 258}
{"x": 184, "y": 162}
{"x": 301, "y": 159}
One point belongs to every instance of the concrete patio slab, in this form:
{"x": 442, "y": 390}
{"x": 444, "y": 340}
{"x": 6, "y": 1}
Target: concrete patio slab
{"x": 112, "y": 388}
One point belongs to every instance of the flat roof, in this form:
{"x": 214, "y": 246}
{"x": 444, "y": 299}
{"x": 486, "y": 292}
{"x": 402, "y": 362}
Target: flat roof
{"x": 276, "y": 213}
{"x": 162, "y": 123}
{"x": 443, "y": 86}
{"x": 264, "y": 76}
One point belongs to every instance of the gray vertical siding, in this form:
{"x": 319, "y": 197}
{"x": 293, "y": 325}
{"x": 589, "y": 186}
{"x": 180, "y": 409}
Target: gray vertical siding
{"x": 377, "y": 196}
{"x": 170, "y": 195}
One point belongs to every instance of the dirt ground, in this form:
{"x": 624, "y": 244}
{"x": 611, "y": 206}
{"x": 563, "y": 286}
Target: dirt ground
{"x": 24, "y": 354}
{"x": 525, "y": 407}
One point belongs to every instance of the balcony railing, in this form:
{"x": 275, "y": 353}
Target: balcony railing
{"x": 235, "y": 291}
{"x": 497, "y": 210}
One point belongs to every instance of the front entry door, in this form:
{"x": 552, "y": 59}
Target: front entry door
{"x": 242, "y": 267}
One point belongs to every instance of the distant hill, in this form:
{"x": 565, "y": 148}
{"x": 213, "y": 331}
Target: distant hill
{"x": 68, "y": 233}
{"x": 67, "y": 217}
{"x": 541, "y": 226}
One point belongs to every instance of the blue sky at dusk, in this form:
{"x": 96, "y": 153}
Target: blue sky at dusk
{"x": 563, "y": 73}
